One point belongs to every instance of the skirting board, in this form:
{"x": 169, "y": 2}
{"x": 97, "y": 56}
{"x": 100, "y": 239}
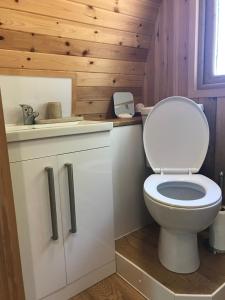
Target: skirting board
{"x": 153, "y": 289}
{"x": 83, "y": 283}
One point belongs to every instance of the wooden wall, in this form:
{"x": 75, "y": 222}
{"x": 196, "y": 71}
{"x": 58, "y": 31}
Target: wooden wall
{"x": 167, "y": 75}
{"x": 105, "y": 42}
{"x": 11, "y": 281}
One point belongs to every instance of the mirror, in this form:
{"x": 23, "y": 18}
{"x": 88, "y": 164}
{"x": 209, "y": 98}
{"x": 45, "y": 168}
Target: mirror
{"x": 123, "y": 104}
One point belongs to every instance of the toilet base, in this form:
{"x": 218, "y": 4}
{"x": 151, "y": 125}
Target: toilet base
{"x": 178, "y": 251}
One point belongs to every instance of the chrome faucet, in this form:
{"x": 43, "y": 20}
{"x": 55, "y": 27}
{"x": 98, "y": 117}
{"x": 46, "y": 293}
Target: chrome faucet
{"x": 29, "y": 114}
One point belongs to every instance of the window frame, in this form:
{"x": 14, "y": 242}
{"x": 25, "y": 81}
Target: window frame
{"x": 206, "y": 43}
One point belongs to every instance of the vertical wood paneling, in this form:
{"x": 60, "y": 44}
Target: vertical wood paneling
{"x": 163, "y": 75}
{"x": 220, "y": 139}
{"x": 161, "y": 65}
{"x": 181, "y": 55}
{"x": 43, "y": 61}
{"x": 210, "y": 110}
{"x": 167, "y": 75}
{"x": 169, "y": 54}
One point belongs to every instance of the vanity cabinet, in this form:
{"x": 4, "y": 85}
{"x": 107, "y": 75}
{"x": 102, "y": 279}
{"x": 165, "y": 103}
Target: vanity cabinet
{"x": 92, "y": 244}
{"x": 42, "y": 258}
{"x": 64, "y": 211}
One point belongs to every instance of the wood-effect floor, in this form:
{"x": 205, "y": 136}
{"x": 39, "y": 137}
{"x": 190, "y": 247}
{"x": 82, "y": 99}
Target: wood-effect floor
{"x": 111, "y": 288}
{"x": 141, "y": 246}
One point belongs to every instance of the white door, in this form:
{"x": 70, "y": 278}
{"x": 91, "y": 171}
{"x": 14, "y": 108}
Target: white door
{"x": 92, "y": 245}
{"x": 43, "y": 261}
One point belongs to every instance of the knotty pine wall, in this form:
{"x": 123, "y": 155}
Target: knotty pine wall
{"x": 168, "y": 62}
{"x": 104, "y": 42}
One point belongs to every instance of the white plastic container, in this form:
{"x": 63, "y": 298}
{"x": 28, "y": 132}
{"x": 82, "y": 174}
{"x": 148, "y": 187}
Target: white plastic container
{"x": 217, "y": 233}
{"x": 145, "y": 111}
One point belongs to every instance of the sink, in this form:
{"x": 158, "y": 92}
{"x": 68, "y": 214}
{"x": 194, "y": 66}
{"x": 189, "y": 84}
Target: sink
{"x": 11, "y": 128}
{"x": 29, "y": 132}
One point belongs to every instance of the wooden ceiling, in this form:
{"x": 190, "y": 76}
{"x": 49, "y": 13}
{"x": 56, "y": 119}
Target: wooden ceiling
{"x": 106, "y": 43}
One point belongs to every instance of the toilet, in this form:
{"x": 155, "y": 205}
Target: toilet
{"x": 182, "y": 202}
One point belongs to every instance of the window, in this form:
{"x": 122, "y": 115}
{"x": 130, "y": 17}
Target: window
{"x": 219, "y": 56}
{"x": 211, "y": 67}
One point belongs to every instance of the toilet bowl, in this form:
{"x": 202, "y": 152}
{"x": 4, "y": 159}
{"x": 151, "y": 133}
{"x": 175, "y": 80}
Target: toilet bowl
{"x": 176, "y": 137}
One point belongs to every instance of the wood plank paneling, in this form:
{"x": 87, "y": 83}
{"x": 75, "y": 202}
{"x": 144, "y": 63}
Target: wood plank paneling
{"x": 210, "y": 110}
{"x": 41, "y": 61}
{"x": 11, "y": 282}
{"x": 94, "y": 107}
{"x": 143, "y": 9}
{"x": 78, "y": 12}
{"x": 38, "y": 73}
{"x": 182, "y": 21}
{"x": 220, "y": 140}
{"x": 116, "y": 80}
{"x": 103, "y": 93}
{"x": 104, "y": 43}
{"x": 164, "y": 52}
{"x": 170, "y": 50}
{"x": 23, "y": 41}
{"x": 100, "y": 100}
{"x": 29, "y": 22}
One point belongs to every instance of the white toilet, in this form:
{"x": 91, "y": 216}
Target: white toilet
{"x": 176, "y": 138}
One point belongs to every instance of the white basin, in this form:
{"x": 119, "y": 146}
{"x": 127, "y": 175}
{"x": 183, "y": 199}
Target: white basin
{"x": 13, "y": 127}
{"x": 28, "y": 132}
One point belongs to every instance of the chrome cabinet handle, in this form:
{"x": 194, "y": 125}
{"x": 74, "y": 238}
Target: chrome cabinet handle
{"x": 72, "y": 198}
{"x": 51, "y": 186}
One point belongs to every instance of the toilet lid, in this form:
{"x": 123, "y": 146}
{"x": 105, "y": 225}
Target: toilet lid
{"x": 176, "y": 136}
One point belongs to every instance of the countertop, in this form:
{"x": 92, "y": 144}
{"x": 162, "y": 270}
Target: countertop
{"x": 123, "y": 122}
{"x": 30, "y": 132}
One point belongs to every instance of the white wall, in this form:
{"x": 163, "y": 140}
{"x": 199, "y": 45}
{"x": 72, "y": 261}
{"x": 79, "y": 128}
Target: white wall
{"x": 128, "y": 159}
{"x": 35, "y": 91}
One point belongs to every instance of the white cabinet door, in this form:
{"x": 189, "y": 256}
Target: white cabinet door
{"x": 43, "y": 261}
{"x": 92, "y": 246}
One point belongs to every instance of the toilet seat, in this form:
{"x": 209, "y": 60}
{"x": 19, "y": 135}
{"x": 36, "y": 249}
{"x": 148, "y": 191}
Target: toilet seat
{"x": 212, "y": 191}
{"x": 176, "y": 136}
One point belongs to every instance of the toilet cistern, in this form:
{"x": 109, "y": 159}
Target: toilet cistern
{"x": 182, "y": 202}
